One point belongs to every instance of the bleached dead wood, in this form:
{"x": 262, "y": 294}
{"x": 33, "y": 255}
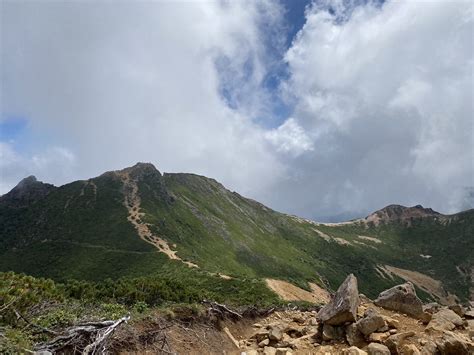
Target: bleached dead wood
{"x": 91, "y": 337}
{"x": 231, "y": 337}
{"x": 102, "y": 336}
{"x": 221, "y": 309}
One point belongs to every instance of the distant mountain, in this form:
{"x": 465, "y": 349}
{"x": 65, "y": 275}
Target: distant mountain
{"x": 401, "y": 214}
{"x": 136, "y": 221}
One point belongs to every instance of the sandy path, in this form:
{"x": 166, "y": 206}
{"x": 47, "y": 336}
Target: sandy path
{"x": 290, "y": 292}
{"x": 132, "y": 203}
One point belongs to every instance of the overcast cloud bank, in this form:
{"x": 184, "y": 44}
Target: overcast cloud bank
{"x": 381, "y": 98}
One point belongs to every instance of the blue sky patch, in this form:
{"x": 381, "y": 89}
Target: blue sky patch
{"x": 12, "y": 127}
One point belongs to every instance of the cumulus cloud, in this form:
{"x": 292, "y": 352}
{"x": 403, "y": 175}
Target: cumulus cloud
{"x": 290, "y": 138}
{"x": 380, "y": 96}
{"x": 143, "y": 81}
{"x": 387, "y": 93}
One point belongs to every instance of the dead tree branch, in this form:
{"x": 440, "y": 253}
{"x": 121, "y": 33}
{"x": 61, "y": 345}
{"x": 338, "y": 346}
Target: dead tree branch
{"x": 91, "y": 337}
{"x": 221, "y": 310}
{"x": 43, "y": 329}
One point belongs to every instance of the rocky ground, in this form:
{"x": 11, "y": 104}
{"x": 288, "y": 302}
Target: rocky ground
{"x": 397, "y": 322}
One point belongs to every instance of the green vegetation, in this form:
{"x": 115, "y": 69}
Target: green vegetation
{"x": 80, "y": 232}
{"x": 54, "y": 306}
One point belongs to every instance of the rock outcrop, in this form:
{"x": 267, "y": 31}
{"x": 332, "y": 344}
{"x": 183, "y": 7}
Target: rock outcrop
{"x": 401, "y": 298}
{"x": 343, "y": 307}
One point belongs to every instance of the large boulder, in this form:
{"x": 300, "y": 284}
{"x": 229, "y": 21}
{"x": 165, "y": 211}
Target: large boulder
{"x": 445, "y": 319}
{"x": 401, "y": 298}
{"x": 371, "y": 322}
{"x": 343, "y": 307}
{"x": 454, "y": 344}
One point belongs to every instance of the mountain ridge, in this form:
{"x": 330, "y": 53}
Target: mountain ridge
{"x": 391, "y": 212}
{"x": 178, "y": 220}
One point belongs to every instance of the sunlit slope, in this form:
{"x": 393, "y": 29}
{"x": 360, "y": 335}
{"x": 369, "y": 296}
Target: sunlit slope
{"x": 138, "y": 222}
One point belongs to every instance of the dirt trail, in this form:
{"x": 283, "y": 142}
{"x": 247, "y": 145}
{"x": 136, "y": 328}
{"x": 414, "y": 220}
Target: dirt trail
{"x": 132, "y": 203}
{"x": 289, "y": 292}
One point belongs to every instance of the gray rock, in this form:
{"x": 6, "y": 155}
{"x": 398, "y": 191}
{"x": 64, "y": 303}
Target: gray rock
{"x": 343, "y": 307}
{"x": 432, "y": 307}
{"x": 458, "y": 309}
{"x": 429, "y": 348}
{"x": 401, "y": 298}
{"x": 410, "y": 349}
{"x": 377, "y": 349}
{"x": 354, "y": 337}
{"x": 371, "y": 322}
{"x": 276, "y": 333}
{"x": 332, "y": 332}
{"x": 395, "y": 342}
{"x": 454, "y": 344}
{"x": 445, "y": 319}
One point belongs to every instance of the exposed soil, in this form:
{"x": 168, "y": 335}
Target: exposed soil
{"x": 289, "y": 292}
{"x": 425, "y": 282}
{"x": 132, "y": 203}
{"x": 201, "y": 335}
{"x": 371, "y": 239}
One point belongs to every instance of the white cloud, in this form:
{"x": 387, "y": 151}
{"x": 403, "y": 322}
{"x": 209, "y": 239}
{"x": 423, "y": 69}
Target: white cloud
{"x": 141, "y": 81}
{"x": 382, "y": 98}
{"x": 387, "y": 93}
{"x": 290, "y": 138}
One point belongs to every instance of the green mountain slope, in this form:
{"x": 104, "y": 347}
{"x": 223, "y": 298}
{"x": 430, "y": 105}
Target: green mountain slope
{"x": 138, "y": 222}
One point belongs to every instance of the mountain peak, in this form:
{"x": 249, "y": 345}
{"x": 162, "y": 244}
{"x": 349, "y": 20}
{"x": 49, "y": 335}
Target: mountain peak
{"x": 143, "y": 166}
{"x": 26, "y": 191}
{"x": 28, "y": 181}
{"x": 399, "y": 213}
{"x": 140, "y": 170}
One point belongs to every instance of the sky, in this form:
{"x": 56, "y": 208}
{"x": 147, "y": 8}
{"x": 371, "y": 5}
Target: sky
{"x": 324, "y": 109}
